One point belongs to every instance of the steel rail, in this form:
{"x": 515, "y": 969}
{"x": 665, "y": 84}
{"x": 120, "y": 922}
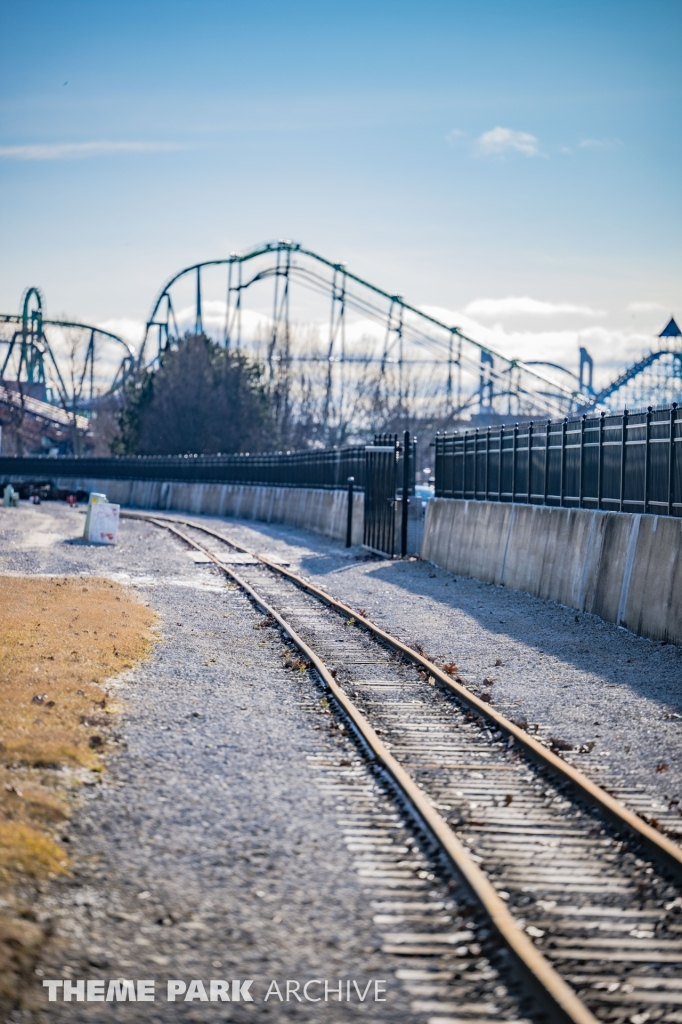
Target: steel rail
{"x": 546, "y": 981}
{"x": 44, "y": 410}
{"x": 667, "y": 853}
{"x": 624, "y": 378}
{"x": 413, "y": 335}
{"x": 69, "y": 404}
{"x": 11, "y": 318}
{"x": 276, "y": 247}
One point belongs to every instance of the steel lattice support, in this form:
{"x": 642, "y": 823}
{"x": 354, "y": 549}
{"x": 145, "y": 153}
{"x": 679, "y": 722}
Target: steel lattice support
{"x": 511, "y": 385}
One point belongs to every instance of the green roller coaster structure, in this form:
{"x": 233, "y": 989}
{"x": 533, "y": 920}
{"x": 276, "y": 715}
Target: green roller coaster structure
{"x": 362, "y": 325}
{"x": 655, "y": 379}
{"x": 31, "y": 357}
{"x": 474, "y": 376}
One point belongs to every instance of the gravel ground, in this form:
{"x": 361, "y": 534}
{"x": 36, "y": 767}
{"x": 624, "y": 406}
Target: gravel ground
{"x": 580, "y": 679}
{"x": 181, "y": 866}
{"x": 209, "y": 850}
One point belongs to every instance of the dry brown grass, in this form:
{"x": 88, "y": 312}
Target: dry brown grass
{"x": 60, "y": 639}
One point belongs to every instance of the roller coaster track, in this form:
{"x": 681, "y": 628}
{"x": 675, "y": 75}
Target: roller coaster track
{"x": 508, "y": 386}
{"x": 485, "y": 378}
{"x": 629, "y": 374}
{"x": 31, "y": 358}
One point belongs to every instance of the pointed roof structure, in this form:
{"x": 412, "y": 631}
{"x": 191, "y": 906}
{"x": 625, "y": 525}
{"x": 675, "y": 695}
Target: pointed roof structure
{"x": 671, "y": 330}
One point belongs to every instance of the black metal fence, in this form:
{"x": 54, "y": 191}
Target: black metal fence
{"x": 380, "y": 497}
{"x": 327, "y": 468}
{"x": 630, "y": 462}
{"x": 390, "y": 481}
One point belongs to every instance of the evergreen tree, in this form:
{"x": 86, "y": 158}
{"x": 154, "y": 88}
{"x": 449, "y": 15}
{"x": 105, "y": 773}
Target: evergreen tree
{"x": 202, "y": 399}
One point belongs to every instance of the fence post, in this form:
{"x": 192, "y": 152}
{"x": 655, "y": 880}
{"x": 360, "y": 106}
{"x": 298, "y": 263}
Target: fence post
{"x": 499, "y": 471}
{"x": 547, "y": 428}
{"x": 623, "y": 430}
{"x": 564, "y": 427}
{"x": 405, "y": 496}
{"x": 582, "y": 454}
{"x": 434, "y": 445}
{"x": 515, "y": 440}
{"x": 602, "y": 417}
{"x": 476, "y": 464}
{"x": 487, "y": 459}
{"x": 349, "y": 512}
{"x": 671, "y": 459}
{"x": 646, "y": 459}
{"x": 530, "y": 453}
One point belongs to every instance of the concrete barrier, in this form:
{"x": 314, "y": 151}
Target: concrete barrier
{"x": 624, "y": 567}
{"x": 323, "y": 511}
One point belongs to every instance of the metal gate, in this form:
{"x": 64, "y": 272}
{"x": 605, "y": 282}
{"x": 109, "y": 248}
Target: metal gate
{"x": 389, "y": 482}
{"x": 381, "y": 473}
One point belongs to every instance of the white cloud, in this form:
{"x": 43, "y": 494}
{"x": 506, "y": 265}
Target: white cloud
{"x": 612, "y": 349}
{"x": 67, "y": 342}
{"x": 130, "y": 330}
{"x": 599, "y": 143}
{"x": 504, "y": 140}
{"x": 454, "y": 136}
{"x": 525, "y": 306}
{"x": 643, "y": 307}
{"x": 78, "y": 150}
{"x": 254, "y": 325}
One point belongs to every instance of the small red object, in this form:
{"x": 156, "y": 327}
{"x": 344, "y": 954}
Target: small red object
{"x": 71, "y": 499}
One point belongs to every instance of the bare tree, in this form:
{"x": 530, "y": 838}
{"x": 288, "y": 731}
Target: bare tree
{"x": 205, "y": 398}
{"x": 70, "y": 391}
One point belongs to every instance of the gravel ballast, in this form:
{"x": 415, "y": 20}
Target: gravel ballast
{"x": 208, "y": 850}
{"x": 210, "y": 842}
{"x": 228, "y": 836}
{"x": 583, "y": 681}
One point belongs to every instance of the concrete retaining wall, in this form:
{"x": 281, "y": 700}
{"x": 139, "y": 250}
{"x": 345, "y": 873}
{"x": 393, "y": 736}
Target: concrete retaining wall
{"x": 623, "y": 567}
{"x": 322, "y": 511}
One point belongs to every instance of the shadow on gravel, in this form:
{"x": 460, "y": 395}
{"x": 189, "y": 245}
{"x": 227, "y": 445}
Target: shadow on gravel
{"x": 591, "y": 645}
{"x": 323, "y": 564}
{"x": 319, "y": 560}
{"x": 597, "y": 648}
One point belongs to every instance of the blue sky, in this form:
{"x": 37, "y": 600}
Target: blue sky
{"x": 451, "y": 152}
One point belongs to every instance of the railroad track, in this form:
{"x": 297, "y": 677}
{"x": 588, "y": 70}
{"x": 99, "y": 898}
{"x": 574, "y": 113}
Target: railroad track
{"x": 585, "y": 895}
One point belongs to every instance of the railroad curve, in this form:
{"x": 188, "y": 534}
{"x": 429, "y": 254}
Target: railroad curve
{"x": 577, "y": 887}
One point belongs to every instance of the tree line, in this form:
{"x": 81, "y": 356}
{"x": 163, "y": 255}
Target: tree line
{"x": 204, "y": 398}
